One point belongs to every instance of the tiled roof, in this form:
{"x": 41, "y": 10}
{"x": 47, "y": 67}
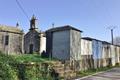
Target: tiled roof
{"x": 12, "y": 29}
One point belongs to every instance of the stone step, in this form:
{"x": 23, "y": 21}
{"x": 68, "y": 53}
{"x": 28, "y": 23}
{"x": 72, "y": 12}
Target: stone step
{"x": 56, "y": 62}
{"x": 67, "y": 75}
{"x": 66, "y": 71}
{"x": 58, "y": 65}
{"x": 63, "y": 70}
{"x": 61, "y": 67}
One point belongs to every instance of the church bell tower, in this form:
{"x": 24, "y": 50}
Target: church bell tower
{"x": 33, "y": 23}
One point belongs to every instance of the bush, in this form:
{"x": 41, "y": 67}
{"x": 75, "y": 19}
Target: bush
{"x": 23, "y": 67}
{"x": 7, "y": 72}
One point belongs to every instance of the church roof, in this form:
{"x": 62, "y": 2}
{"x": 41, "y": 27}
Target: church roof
{"x": 10, "y": 29}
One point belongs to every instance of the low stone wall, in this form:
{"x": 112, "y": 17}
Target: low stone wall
{"x": 34, "y": 71}
{"x": 51, "y": 70}
{"x": 87, "y": 62}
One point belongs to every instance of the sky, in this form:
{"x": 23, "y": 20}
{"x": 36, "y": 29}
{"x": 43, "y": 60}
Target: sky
{"x": 93, "y": 17}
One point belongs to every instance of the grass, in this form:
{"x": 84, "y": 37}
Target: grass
{"x": 9, "y": 71}
{"x": 92, "y": 71}
{"x": 23, "y": 58}
{"x": 29, "y": 58}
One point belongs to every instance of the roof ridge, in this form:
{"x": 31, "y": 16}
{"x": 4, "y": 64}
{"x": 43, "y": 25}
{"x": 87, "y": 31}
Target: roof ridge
{"x": 63, "y": 28}
{"x": 8, "y": 25}
{"x": 10, "y": 28}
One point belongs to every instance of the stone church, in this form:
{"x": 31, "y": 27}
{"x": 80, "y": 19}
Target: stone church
{"x": 11, "y": 39}
{"x": 14, "y": 41}
{"x": 34, "y": 40}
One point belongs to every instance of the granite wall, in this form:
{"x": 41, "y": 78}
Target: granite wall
{"x": 32, "y": 38}
{"x": 15, "y": 42}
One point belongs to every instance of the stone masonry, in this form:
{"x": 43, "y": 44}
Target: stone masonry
{"x": 11, "y": 40}
{"x": 34, "y": 40}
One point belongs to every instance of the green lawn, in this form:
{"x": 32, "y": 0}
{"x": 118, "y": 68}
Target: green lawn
{"x": 29, "y": 58}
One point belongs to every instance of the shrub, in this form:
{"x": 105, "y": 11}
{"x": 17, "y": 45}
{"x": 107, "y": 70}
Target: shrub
{"x": 23, "y": 67}
{"x": 7, "y": 72}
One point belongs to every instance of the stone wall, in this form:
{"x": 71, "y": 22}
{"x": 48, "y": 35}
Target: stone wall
{"x": 86, "y": 47}
{"x": 75, "y": 45}
{"x": 32, "y": 37}
{"x": 15, "y": 42}
{"x": 42, "y": 42}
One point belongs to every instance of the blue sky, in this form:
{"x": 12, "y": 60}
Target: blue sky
{"x": 91, "y": 16}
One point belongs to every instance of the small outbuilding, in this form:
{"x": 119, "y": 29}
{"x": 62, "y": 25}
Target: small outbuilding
{"x": 64, "y": 43}
{"x": 11, "y": 39}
